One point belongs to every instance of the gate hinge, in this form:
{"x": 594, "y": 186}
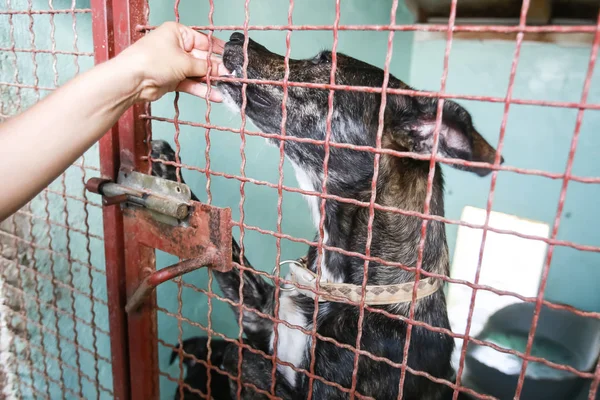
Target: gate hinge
{"x": 167, "y": 201}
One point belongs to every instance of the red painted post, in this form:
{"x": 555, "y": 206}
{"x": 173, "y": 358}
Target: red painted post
{"x": 133, "y": 339}
{"x": 103, "y": 32}
{"x": 138, "y": 259}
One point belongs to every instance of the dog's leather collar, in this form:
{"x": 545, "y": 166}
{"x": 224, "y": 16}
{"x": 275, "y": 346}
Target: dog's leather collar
{"x": 375, "y": 294}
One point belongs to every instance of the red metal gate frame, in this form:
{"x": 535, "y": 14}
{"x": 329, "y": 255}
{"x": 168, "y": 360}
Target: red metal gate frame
{"x": 104, "y": 49}
{"x": 114, "y": 29}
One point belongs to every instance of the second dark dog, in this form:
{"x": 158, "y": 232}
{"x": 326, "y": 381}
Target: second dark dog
{"x": 196, "y": 376}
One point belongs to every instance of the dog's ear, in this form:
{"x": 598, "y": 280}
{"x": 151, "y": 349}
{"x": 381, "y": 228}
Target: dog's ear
{"x": 414, "y": 130}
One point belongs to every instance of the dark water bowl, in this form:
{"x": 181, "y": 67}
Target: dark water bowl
{"x": 561, "y": 337}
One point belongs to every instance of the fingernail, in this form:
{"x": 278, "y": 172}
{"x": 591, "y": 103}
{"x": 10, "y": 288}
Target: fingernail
{"x": 222, "y": 70}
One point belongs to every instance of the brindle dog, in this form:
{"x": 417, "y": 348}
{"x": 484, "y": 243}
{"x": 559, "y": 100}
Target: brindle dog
{"x": 402, "y": 183}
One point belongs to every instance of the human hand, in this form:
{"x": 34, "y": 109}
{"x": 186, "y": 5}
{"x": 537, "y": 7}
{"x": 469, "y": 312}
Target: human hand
{"x": 173, "y": 57}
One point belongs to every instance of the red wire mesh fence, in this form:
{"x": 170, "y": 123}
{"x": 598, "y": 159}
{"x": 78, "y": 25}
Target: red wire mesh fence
{"x": 519, "y": 31}
{"x": 243, "y": 179}
{"x": 53, "y": 321}
{"x": 52, "y": 250}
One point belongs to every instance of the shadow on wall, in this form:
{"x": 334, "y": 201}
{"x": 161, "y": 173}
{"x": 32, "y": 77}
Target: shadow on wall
{"x": 536, "y": 138}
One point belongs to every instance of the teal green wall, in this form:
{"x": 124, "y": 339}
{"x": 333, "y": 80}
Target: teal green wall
{"x": 260, "y": 204}
{"x": 536, "y": 138}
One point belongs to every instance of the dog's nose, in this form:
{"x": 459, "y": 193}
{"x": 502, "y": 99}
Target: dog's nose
{"x": 237, "y": 37}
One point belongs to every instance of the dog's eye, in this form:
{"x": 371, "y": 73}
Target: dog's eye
{"x": 322, "y": 58}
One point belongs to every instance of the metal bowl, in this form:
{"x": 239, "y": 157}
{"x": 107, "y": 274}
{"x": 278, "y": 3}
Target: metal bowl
{"x": 561, "y": 337}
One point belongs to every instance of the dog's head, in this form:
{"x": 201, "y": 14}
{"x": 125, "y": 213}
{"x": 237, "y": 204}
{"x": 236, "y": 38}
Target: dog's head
{"x": 409, "y": 122}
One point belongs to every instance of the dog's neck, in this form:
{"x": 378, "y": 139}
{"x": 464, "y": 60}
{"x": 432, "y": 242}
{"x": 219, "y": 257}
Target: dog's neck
{"x": 401, "y": 184}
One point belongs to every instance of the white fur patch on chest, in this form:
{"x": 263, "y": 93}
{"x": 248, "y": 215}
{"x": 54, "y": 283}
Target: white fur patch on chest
{"x": 292, "y": 344}
{"x": 326, "y": 275}
{"x": 309, "y": 182}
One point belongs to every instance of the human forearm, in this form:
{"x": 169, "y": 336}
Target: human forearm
{"x": 41, "y": 143}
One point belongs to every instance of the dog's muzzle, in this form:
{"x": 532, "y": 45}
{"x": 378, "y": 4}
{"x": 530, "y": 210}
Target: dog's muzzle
{"x": 304, "y": 281}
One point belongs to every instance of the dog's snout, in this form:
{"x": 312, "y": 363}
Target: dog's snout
{"x": 237, "y": 37}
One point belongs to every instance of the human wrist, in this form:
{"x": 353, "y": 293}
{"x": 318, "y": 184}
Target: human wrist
{"x": 129, "y": 73}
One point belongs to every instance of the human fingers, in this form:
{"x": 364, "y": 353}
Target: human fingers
{"x": 196, "y": 88}
{"x": 196, "y": 40}
{"x": 198, "y": 67}
{"x": 202, "y": 55}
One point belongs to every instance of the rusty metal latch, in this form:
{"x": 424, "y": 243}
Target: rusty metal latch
{"x": 166, "y": 200}
{"x": 159, "y": 213}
